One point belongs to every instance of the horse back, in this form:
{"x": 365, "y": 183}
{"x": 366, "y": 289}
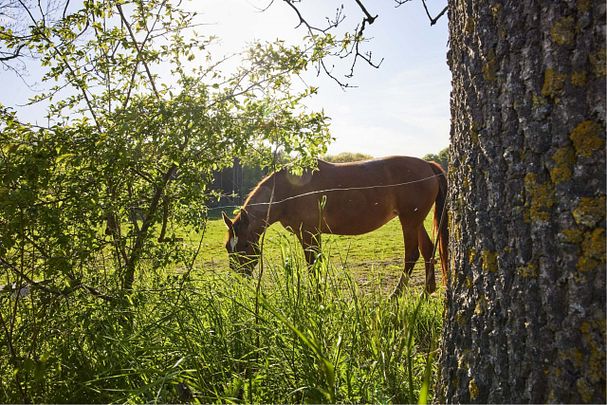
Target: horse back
{"x": 361, "y": 196}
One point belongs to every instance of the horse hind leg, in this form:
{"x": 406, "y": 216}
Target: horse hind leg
{"x": 427, "y": 248}
{"x": 410, "y": 236}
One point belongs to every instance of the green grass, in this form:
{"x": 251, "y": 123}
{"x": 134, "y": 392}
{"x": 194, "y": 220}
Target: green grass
{"x": 374, "y": 259}
{"x": 326, "y": 334}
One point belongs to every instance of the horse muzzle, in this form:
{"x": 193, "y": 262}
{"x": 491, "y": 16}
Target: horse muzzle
{"x": 243, "y": 264}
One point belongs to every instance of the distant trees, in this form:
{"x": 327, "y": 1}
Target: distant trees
{"x": 441, "y": 158}
{"x": 344, "y": 157}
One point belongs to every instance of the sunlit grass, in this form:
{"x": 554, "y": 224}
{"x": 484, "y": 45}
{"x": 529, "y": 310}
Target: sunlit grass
{"x": 210, "y": 335}
{"x": 373, "y": 259}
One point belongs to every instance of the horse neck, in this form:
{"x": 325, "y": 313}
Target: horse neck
{"x": 260, "y": 204}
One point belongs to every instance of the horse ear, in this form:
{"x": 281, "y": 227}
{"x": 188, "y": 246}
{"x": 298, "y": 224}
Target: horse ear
{"x": 227, "y": 220}
{"x": 244, "y": 218}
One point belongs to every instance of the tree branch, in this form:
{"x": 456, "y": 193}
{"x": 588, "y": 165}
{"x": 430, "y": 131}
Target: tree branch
{"x": 368, "y": 16}
{"x": 139, "y": 50}
{"x": 435, "y": 19}
{"x": 51, "y": 290}
{"x": 14, "y": 55}
{"x": 347, "y": 51}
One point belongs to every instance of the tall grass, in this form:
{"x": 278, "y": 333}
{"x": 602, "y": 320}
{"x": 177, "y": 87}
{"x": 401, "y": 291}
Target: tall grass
{"x": 306, "y": 335}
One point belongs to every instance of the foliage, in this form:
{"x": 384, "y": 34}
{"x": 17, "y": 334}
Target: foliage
{"x": 95, "y": 198}
{"x": 441, "y": 158}
{"x": 201, "y": 337}
{"x": 100, "y": 302}
{"x": 347, "y": 157}
{"x": 128, "y": 151}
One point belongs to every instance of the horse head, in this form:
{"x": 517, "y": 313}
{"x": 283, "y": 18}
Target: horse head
{"x": 241, "y": 243}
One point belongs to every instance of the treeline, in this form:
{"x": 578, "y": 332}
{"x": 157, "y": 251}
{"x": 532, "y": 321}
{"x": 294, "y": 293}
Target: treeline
{"x": 441, "y": 158}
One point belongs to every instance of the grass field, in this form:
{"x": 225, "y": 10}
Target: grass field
{"x": 322, "y": 335}
{"x": 375, "y": 260}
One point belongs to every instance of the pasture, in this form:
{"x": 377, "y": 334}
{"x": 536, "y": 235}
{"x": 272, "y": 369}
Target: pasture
{"x": 374, "y": 260}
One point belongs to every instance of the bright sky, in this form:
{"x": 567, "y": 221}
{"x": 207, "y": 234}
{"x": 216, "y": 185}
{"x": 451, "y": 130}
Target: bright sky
{"x": 401, "y": 108}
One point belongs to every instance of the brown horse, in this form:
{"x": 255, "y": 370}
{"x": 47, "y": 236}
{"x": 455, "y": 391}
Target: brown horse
{"x": 358, "y": 198}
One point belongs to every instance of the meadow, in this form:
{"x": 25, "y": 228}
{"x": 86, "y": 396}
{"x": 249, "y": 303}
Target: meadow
{"x": 374, "y": 260}
{"x": 204, "y": 334}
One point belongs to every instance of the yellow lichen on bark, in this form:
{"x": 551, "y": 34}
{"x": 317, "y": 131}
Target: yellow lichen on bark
{"x": 469, "y": 26}
{"x": 583, "y": 5}
{"x": 592, "y": 256}
{"x": 563, "y": 31}
{"x": 489, "y": 259}
{"x": 473, "y": 389}
{"x": 586, "y": 138}
{"x": 481, "y": 305}
{"x": 584, "y": 389}
{"x": 490, "y": 67}
{"x": 592, "y": 335}
{"x": 530, "y": 270}
{"x": 540, "y": 198}
{"x": 573, "y": 236}
{"x": 563, "y": 170}
{"x": 589, "y": 210}
{"x": 578, "y": 78}
{"x": 474, "y": 134}
{"x": 471, "y": 256}
{"x": 553, "y": 83}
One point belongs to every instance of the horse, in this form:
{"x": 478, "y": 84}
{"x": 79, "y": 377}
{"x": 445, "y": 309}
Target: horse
{"x": 346, "y": 199}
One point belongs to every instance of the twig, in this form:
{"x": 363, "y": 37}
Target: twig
{"x": 14, "y": 55}
{"x": 139, "y": 50}
{"x": 66, "y": 291}
{"x": 435, "y": 19}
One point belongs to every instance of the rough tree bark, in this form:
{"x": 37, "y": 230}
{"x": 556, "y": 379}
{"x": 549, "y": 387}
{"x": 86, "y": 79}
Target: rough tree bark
{"x": 526, "y": 300}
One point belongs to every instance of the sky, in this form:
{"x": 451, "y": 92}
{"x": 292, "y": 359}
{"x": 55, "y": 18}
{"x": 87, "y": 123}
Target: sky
{"x": 402, "y": 108}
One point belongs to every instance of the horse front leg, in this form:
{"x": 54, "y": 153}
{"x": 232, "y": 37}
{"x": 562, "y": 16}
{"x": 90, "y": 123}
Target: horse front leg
{"x": 309, "y": 242}
{"x": 411, "y": 254}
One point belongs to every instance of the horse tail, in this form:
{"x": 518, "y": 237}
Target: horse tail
{"x": 441, "y": 218}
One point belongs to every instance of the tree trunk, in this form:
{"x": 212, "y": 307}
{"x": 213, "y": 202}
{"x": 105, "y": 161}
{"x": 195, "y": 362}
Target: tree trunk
{"x": 525, "y": 317}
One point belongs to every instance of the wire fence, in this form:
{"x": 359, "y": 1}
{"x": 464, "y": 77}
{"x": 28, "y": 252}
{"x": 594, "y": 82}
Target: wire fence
{"x": 331, "y": 190}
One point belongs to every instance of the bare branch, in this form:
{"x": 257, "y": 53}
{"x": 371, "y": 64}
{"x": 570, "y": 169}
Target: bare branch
{"x": 351, "y": 46}
{"x": 435, "y": 19}
{"x": 262, "y": 9}
{"x": 67, "y": 3}
{"x": 14, "y": 55}
{"x": 368, "y": 17}
{"x": 401, "y": 2}
{"x": 303, "y": 21}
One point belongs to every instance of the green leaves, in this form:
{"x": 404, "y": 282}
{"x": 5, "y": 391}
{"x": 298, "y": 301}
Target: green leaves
{"x": 109, "y": 190}
{"x": 125, "y": 138}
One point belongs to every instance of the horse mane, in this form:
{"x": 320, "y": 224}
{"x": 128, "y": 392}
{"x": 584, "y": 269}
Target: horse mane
{"x": 263, "y": 182}
{"x": 281, "y": 173}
